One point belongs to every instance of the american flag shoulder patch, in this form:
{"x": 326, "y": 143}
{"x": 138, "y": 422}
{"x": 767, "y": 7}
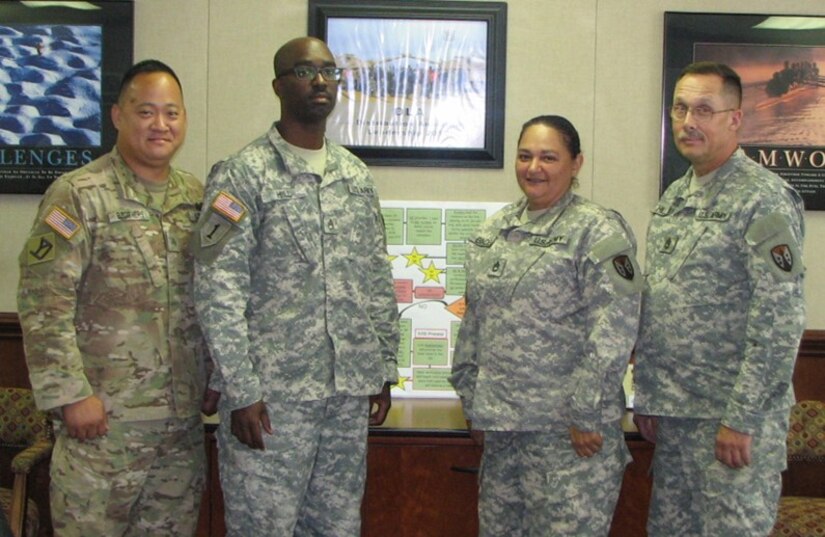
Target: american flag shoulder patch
{"x": 226, "y": 205}
{"x": 60, "y": 221}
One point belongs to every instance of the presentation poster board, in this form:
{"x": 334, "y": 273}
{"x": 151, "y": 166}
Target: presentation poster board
{"x": 426, "y": 244}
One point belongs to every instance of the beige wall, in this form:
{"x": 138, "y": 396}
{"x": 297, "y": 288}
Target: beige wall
{"x": 598, "y": 62}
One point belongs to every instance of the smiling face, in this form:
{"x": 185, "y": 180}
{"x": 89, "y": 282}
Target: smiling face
{"x": 706, "y": 144}
{"x": 545, "y": 166}
{"x": 151, "y": 124}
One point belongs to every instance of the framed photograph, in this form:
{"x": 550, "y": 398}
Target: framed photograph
{"x": 60, "y": 68}
{"x": 423, "y": 81}
{"x": 781, "y": 61}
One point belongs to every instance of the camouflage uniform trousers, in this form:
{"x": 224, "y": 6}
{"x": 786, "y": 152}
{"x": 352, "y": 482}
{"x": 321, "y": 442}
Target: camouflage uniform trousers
{"x": 533, "y": 484}
{"x": 142, "y": 478}
{"x": 694, "y": 495}
{"x": 309, "y": 480}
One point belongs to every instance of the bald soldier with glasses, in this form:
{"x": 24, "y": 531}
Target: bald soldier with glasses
{"x": 294, "y": 290}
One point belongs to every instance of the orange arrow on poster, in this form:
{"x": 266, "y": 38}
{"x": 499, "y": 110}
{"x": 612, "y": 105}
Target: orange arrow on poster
{"x": 457, "y": 308}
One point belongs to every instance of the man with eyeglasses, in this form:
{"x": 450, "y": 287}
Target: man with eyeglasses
{"x": 722, "y": 317}
{"x": 295, "y": 294}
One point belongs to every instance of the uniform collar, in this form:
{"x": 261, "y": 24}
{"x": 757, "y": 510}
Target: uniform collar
{"x": 296, "y": 166}
{"x": 541, "y": 225}
{"x": 131, "y": 188}
{"x": 679, "y": 195}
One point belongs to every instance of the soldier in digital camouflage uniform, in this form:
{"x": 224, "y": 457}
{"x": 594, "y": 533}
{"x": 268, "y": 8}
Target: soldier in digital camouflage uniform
{"x": 552, "y": 312}
{"x": 109, "y": 325}
{"x": 294, "y": 290}
{"x": 722, "y": 317}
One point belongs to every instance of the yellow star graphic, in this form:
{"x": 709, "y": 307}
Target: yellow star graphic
{"x": 432, "y": 273}
{"x": 402, "y": 381}
{"x": 391, "y": 258}
{"x": 414, "y": 258}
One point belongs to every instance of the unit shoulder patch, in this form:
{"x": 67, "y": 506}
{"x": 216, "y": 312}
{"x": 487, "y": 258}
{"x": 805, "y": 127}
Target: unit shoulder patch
{"x": 40, "y": 248}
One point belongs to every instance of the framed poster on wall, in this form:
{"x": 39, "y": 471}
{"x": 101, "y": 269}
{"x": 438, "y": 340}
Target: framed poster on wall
{"x": 60, "y": 68}
{"x": 781, "y": 61}
{"x": 423, "y": 81}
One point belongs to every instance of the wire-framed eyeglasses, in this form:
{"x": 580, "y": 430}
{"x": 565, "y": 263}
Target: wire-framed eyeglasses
{"x": 701, "y": 113}
{"x": 309, "y": 72}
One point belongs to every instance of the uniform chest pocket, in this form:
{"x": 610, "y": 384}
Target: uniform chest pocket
{"x": 534, "y": 279}
{"x": 130, "y": 252}
{"x": 709, "y": 252}
{"x": 288, "y": 233}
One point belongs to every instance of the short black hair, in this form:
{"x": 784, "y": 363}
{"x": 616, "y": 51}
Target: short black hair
{"x": 146, "y": 66}
{"x": 561, "y": 124}
{"x": 730, "y": 79}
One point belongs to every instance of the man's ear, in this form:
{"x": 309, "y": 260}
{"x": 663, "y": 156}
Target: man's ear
{"x": 116, "y": 113}
{"x": 276, "y": 87}
{"x": 736, "y": 119}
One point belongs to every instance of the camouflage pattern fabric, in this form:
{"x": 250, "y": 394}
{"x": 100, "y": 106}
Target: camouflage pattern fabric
{"x": 723, "y": 312}
{"x": 552, "y": 311}
{"x": 308, "y": 481}
{"x": 105, "y": 303}
{"x": 294, "y": 290}
{"x": 142, "y": 478}
{"x": 694, "y": 495}
{"x": 534, "y": 484}
{"x": 105, "y": 295}
{"x": 293, "y": 285}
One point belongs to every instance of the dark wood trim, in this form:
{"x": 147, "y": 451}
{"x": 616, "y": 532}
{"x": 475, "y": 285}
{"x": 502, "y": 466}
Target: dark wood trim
{"x": 10, "y": 324}
{"x": 813, "y": 344}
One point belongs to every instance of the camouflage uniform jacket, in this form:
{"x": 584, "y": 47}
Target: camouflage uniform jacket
{"x": 722, "y": 309}
{"x": 293, "y": 285}
{"x": 105, "y": 296}
{"x": 552, "y": 313}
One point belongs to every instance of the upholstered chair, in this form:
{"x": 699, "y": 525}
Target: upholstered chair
{"x": 802, "y": 510}
{"x": 26, "y": 434}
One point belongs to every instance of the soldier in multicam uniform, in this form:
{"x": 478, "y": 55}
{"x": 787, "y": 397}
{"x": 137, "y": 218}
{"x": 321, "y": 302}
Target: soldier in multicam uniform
{"x": 295, "y": 292}
{"x": 552, "y": 312}
{"x": 722, "y": 317}
{"x": 110, "y": 329}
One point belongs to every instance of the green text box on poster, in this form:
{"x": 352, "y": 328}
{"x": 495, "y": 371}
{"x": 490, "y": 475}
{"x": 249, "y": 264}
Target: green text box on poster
{"x": 394, "y": 224}
{"x": 405, "y": 327}
{"x": 456, "y": 280}
{"x": 432, "y": 379}
{"x": 456, "y": 252}
{"x": 462, "y": 222}
{"x": 430, "y": 351}
{"x": 424, "y": 226}
{"x": 455, "y": 326}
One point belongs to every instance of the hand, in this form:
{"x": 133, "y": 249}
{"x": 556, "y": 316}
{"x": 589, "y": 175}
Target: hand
{"x": 209, "y": 404}
{"x": 86, "y": 419}
{"x": 585, "y": 443}
{"x": 382, "y": 401}
{"x": 647, "y": 426}
{"x": 733, "y": 448}
{"x": 247, "y": 423}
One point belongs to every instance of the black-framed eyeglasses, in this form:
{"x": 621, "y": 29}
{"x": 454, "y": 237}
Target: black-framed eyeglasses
{"x": 309, "y": 72}
{"x": 700, "y": 113}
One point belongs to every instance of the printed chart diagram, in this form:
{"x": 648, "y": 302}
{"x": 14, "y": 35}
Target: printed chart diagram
{"x": 426, "y": 242}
